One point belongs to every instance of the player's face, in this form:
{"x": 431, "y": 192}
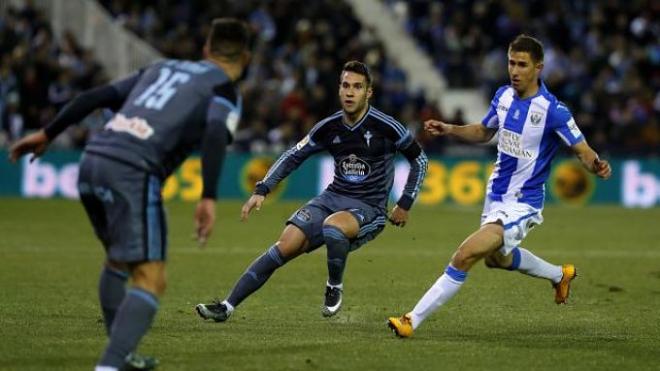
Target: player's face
{"x": 523, "y": 72}
{"x": 353, "y": 92}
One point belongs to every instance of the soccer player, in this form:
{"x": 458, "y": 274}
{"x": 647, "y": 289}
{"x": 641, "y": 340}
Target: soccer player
{"x": 531, "y": 124}
{"x": 163, "y": 112}
{"x": 352, "y": 210}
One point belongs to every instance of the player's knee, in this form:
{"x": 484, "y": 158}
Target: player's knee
{"x": 463, "y": 258}
{"x": 117, "y": 266}
{"x": 344, "y": 222}
{"x": 333, "y": 233}
{"x": 490, "y": 262}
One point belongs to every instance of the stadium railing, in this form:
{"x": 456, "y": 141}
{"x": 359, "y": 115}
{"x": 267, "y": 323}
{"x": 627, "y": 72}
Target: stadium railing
{"x": 416, "y": 63}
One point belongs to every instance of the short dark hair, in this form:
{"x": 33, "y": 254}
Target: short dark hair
{"x": 228, "y": 38}
{"x": 528, "y": 44}
{"x": 359, "y": 68}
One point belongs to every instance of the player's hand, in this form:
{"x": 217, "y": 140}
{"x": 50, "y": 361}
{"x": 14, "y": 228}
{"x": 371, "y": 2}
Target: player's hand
{"x": 204, "y": 220}
{"x": 254, "y": 201}
{"x": 35, "y": 143}
{"x": 602, "y": 168}
{"x": 398, "y": 216}
{"x": 437, "y": 128}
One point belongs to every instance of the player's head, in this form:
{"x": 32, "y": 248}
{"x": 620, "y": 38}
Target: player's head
{"x": 525, "y": 62}
{"x": 228, "y": 42}
{"x": 354, "y": 87}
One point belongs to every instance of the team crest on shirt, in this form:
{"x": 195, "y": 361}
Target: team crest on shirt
{"x": 367, "y": 137}
{"x": 354, "y": 169}
{"x": 535, "y": 118}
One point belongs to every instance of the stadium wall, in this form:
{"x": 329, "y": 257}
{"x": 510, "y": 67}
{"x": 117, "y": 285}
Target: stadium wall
{"x": 457, "y": 181}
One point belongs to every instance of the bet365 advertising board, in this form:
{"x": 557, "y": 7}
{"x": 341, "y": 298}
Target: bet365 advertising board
{"x": 458, "y": 181}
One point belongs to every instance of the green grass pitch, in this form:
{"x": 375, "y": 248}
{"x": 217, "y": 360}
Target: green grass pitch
{"x": 49, "y": 316}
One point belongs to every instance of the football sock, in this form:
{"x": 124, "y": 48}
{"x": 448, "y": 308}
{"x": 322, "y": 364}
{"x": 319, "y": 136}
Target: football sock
{"x": 112, "y": 289}
{"x": 338, "y": 246}
{"x": 132, "y": 321}
{"x": 526, "y": 262}
{"x": 256, "y": 275}
{"x": 442, "y": 290}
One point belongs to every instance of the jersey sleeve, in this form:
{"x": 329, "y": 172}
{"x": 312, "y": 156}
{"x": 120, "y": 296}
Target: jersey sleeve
{"x": 418, "y": 166}
{"x": 290, "y": 160}
{"x": 222, "y": 116}
{"x": 110, "y": 96}
{"x": 406, "y": 144}
{"x": 564, "y": 125}
{"x": 491, "y": 120}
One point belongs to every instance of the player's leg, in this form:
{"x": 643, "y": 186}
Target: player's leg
{"x": 481, "y": 243}
{"x": 524, "y": 261}
{"x": 292, "y": 243}
{"x": 523, "y": 218}
{"x": 136, "y": 312}
{"x": 301, "y": 234}
{"x": 136, "y": 236}
{"x": 338, "y": 231}
{"x": 112, "y": 280}
{"x": 112, "y": 289}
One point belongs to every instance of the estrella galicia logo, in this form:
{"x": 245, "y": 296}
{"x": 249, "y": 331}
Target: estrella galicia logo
{"x": 354, "y": 169}
{"x": 304, "y": 215}
{"x": 535, "y": 118}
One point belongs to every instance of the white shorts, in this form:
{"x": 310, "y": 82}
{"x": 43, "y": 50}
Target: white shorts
{"x": 516, "y": 218}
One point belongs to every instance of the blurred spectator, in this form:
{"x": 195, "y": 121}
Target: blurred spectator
{"x": 602, "y": 57}
{"x": 39, "y": 74}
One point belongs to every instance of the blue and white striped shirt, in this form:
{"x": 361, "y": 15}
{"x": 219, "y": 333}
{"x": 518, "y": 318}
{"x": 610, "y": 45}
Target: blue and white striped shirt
{"x": 529, "y": 133}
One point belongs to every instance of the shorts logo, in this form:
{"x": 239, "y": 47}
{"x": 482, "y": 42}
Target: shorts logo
{"x": 304, "y": 215}
{"x": 354, "y": 169}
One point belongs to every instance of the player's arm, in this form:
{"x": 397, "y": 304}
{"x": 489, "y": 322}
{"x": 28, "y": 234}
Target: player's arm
{"x": 473, "y": 133}
{"x": 418, "y": 166}
{"x": 223, "y": 113}
{"x": 565, "y": 127}
{"x": 106, "y": 96}
{"x": 590, "y": 160}
{"x": 288, "y": 162}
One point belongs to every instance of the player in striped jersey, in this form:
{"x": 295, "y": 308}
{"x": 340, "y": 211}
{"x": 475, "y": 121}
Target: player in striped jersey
{"x": 352, "y": 210}
{"x": 531, "y": 123}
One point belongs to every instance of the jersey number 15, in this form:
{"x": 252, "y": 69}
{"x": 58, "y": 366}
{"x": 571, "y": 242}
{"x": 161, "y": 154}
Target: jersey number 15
{"x": 162, "y": 90}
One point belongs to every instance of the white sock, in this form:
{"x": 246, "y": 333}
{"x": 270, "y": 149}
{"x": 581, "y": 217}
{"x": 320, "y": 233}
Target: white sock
{"x": 230, "y": 308}
{"x": 340, "y": 286}
{"x": 442, "y": 290}
{"x": 534, "y": 266}
{"x": 105, "y": 368}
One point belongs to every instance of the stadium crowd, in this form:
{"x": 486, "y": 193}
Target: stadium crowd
{"x": 601, "y": 60}
{"x": 602, "y": 57}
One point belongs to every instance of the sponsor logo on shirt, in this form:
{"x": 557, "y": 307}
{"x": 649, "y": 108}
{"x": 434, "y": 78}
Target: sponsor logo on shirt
{"x": 572, "y": 126}
{"x": 354, "y": 169}
{"x": 134, "y": 126}
{"x": 511, "y": 143}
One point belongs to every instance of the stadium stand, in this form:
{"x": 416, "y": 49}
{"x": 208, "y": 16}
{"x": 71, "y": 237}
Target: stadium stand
{"x": 301, "y": 46}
